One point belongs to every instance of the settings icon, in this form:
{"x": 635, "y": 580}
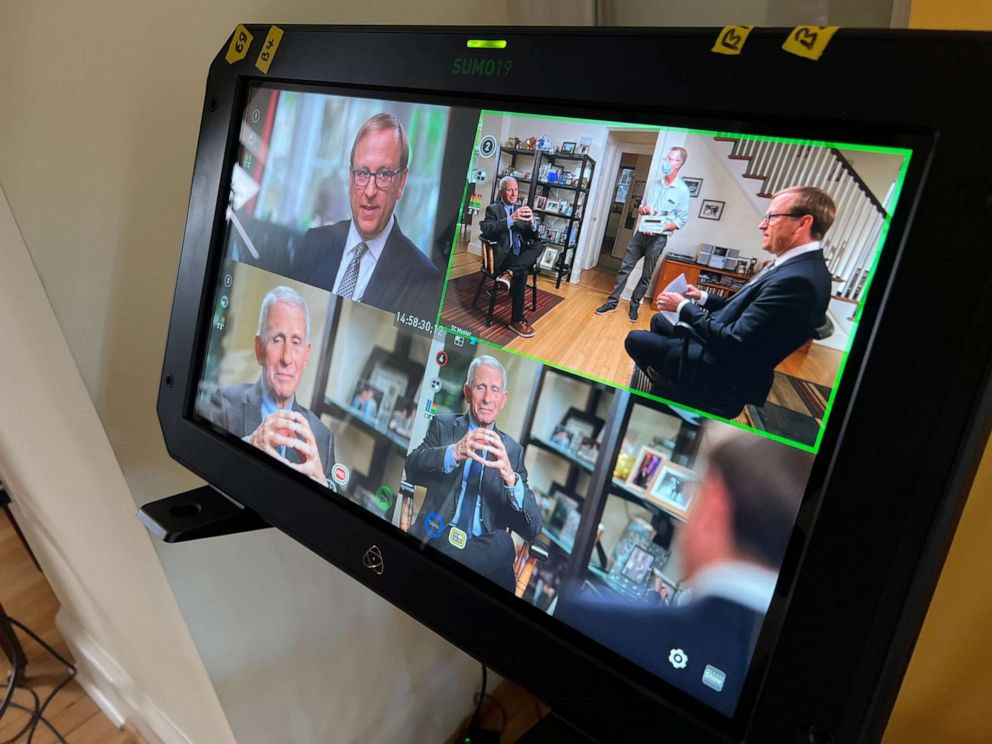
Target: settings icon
{"x": 678, "y": 658}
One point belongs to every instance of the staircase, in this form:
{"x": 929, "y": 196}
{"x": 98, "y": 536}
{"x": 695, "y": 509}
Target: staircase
{"x": 849, "y": 244}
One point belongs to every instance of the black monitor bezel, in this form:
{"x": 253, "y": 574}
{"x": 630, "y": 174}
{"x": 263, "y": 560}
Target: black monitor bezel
{"x": 909, "y": 551}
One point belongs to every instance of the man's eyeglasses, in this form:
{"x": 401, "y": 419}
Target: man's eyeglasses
{"x": 772, "y": 215}
{"x": 383, "y": 178}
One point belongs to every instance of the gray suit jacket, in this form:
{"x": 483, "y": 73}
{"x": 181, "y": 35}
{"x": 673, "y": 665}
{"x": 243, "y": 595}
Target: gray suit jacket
{"x": 425, "y": 467}
{"x": 238, "y": 409}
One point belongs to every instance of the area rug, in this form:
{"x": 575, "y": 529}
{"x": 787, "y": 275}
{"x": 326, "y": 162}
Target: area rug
{"x": 459, "y": 313}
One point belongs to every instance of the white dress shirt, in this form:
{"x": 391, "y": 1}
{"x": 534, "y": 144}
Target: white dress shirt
{"x": 367, "y": 264}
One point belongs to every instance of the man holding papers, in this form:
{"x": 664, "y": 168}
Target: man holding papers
{"x": 734, "y": 344}
{"x": 663, "y": 211}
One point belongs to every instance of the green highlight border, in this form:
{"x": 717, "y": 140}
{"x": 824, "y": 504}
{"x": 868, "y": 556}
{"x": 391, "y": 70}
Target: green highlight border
{"x": 883, "y": 234}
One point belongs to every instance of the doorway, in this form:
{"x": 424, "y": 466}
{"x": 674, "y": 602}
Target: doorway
{"x": 626, "y": 192}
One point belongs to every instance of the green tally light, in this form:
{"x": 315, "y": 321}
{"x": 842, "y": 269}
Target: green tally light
{"x": 486, "y": 43}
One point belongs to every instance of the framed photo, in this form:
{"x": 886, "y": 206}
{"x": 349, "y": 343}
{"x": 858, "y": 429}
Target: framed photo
{"x": 674, "y": 488}
{"x": 646, "y": 467}
{"x": 568, "y": 147}
{"x": 565, "y": 208}
{"x": 584, "y": 144}
{"x": 588, "y": 450}
{"x": 565, "y": 504}
{"x": 711, "y": 209}
{"x": 547, "y": 262}
{"x": 561, "y": 437}
{"x": 542, "y": 174}
{"x": 366, "y": 399}
{"x": 551, "y": 205}
{"x": 694, "y": 184}
{"x": 540, "y": 202}
{"x": 581, "y": 424}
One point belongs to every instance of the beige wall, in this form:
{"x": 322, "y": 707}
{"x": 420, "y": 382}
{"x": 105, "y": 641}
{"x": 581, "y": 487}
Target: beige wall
{"x": 101, "y": 112}
{"x": 945, "y": 695}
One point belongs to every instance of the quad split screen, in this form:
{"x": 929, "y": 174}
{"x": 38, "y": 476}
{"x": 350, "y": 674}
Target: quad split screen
{"x": 590, "y": 360}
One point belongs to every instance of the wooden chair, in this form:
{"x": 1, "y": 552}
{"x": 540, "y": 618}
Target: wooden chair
{"x": 489, "y": 275}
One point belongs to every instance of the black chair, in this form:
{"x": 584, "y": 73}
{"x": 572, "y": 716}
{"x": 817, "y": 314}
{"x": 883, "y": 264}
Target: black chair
{"x": 489, "y": 275}
{"x": 715, "y": 394}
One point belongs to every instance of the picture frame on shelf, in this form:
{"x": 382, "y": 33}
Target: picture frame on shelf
{"x": 540, "y": 202}
{"x": 646, "y": 467}
{"x": 581, "y": 424}
{"x": 588, "y": 450}
{"x": 547, "y": 262}
{"x": 711, "y": 209}
{"x": 551, "y": 205}
{"x": 674, "y": 488}
{"x": 695, "y": 185}
{"x": 366, "y": 400}
{"x": 584, "y": 144}
{"x": 565, "y": 209}
{"x": 567, "y": 148}
{"x": 566, "y": 503}
{"x": 561, "y": 438}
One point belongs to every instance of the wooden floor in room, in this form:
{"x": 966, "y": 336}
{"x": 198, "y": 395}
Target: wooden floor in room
{"x": 572, "y": 336}
{"x": 27, "y": 597}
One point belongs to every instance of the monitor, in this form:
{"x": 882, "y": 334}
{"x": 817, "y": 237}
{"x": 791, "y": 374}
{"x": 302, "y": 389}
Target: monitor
{"x": 649, "y": 367}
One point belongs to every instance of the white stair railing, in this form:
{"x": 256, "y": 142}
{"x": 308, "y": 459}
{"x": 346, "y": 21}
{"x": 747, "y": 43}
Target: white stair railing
{"x": 849, "y": 245}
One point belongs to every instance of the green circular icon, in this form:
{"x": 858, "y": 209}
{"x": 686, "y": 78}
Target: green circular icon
{"x": 384, "y": 497}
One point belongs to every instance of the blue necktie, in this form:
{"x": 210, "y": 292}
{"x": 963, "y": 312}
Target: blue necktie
{"x": 470, "y": 498}
{"x": 514, "y": 236}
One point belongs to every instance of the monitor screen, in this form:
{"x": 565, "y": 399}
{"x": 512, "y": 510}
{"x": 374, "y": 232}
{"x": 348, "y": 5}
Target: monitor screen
{"x": 593, "y": 360}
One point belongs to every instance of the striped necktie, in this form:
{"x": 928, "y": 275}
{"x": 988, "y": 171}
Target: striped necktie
{"x": 350, "y": 279}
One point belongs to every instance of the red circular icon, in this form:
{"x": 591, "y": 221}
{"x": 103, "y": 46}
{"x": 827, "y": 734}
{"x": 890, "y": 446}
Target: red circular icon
{"x": 442, "y": 358}
{"x": 340, "y": 474}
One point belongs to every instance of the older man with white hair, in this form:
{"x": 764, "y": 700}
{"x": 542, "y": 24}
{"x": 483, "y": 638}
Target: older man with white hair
{"x": 476, "y": 480}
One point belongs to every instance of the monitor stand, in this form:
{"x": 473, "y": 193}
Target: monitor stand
{"x": 193, "y": 515}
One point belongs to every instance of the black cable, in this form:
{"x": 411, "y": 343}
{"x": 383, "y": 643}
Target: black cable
{"x": 502, "y": 711}
{"x": 33, "y": 711}
{"x": 474, "y": 720}
{"x": 37, "y": 712}
{"x": 72, "y": 675}
{"x": 15, "y": 667}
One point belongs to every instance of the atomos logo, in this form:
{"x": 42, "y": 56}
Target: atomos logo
{"x": 372, "y": 560}
{"x": 481, "y": 67}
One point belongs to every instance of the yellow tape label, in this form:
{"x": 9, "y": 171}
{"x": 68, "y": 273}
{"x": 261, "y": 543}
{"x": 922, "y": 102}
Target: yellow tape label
{"x": 809, "y": 41}
{"x": 269, "y": 49}
{"x": 731, "y": 39}
{"x": 237, "y": 50}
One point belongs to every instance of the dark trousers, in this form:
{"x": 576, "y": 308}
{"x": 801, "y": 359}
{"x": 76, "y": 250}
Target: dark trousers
{"x": 520, "y": 266}
{"x": 648, "y": 246}
{"x": 489, "y": 555}
{"x": 655, "y": 348}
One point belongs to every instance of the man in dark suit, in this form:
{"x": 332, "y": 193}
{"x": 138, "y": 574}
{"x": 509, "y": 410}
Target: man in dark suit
{"x": 476, "y": 480}
{"x": 266, "y": 413}
{"x": 368, "y": 258}
{"x": 512, "y": 229}
{"x": 735, "y": 344}
{"x": 731, "y": 548}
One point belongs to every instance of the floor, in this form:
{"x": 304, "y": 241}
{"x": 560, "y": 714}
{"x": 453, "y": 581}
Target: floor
{"x": 26, "y": 596}
{"x": 574, "y": 337}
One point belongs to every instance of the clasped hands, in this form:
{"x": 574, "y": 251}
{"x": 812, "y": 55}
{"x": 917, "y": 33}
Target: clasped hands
{"x": 478, "y": 441}
{"x": 290, "y": 429}
{"x": 522, "y": 214}
{"x": 670, "y": 301}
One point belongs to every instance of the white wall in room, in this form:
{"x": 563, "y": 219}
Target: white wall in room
{"x": 738, "y": 226}
{"x": 102, "y": 112}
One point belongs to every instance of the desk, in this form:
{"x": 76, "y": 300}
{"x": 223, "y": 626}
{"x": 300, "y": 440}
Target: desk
{"x": 671, "y": 268}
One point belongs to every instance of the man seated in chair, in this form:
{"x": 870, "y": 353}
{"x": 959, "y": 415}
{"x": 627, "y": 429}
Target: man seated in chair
{"x": 734, "y": 344}
{"x": 476, "y": 480}
{"x": 517, "y": 248}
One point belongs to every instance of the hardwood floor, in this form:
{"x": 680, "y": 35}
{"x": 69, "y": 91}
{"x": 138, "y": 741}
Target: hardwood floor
{"x": 27, "y": 597}
{"x": 572, "y": 336}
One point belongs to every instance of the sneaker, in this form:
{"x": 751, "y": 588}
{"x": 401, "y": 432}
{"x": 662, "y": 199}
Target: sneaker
{"x": 632, "y": 314}
{"x": 504, "y": 279}
{"x": 605, "y": 308}
{"x": 522, "y": 328}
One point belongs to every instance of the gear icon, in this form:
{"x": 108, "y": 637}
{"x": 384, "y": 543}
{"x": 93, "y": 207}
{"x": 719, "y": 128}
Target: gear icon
{"x": 678, "y": 658}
